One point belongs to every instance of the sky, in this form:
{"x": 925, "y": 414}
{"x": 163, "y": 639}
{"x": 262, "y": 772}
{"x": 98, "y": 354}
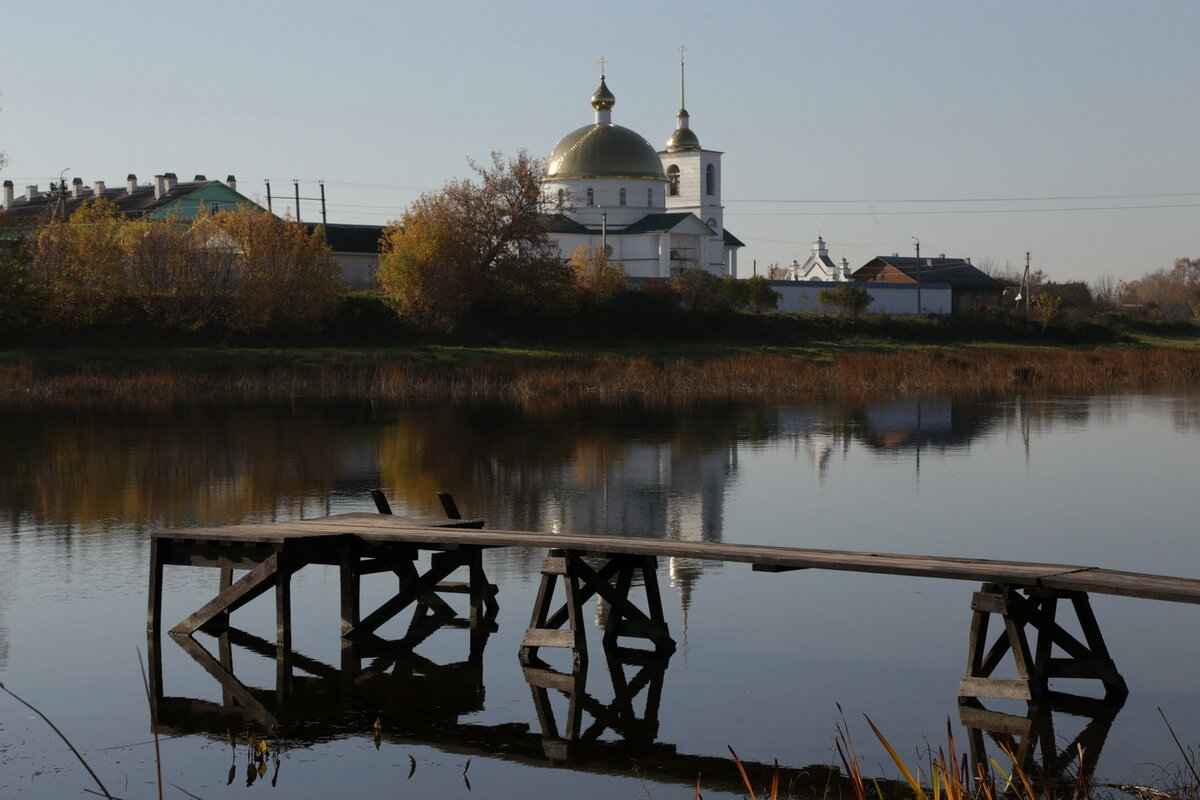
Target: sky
{"x": 980, "y": 129}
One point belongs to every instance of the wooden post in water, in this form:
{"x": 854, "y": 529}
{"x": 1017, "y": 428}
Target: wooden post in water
{"x": 1035, "y": 667}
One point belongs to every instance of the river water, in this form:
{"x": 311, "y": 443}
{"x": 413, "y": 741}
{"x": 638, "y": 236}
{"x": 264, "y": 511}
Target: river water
{"x": 763, "y": 660}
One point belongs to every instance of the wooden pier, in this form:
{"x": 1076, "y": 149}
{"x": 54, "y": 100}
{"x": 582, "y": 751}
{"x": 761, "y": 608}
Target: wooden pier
{"x": 1025, "y": 599}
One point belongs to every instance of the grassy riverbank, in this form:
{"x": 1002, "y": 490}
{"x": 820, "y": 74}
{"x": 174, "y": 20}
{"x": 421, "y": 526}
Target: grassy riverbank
{"x": 711, "y": 370}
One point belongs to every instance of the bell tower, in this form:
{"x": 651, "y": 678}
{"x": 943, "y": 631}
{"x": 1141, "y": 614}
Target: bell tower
{"x": 694, "y": 173}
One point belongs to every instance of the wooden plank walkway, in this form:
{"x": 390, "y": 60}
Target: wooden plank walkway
{"x": 407, "y": 530}
{"x": 1025, "y": 597}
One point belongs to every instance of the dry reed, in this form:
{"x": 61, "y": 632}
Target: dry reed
{"x": 606, "y": 377}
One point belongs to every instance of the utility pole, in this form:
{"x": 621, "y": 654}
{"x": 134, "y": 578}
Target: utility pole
{"x": 918, "y": 241}
{"x": 324, "y": 226}
{"x": 296, "y": 184}
{"x": 604, "y": 230}
{"x": 1025, "y": 284}
{"x": 268, "y": 182}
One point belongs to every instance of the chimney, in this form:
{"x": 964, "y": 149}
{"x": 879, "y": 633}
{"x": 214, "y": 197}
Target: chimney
{"x": 231, "y": 182}
{"x": 30, "y": 191}
{"x": 8, "y": 193}
{"x": 159, "y": 186}
{"x": 77, "y": 187}
{"x": 941, "y": 255}
{"x": 169, "y": 181}
{"x": 98, "y": 189}
{"x": 130, "y": 183}
{"x": 200, "y": 179}
{"x": 968, "y": 260}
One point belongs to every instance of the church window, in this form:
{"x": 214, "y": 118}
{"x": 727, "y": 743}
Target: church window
{"x": 560, "y": 199}
{"x": 591, "y": 197}
{"x": 622, "y": 195}
{"x": 710, "y": 180}
{"x": 673, "y": 180}
{"x": 712, "y": 223}
{"x": 649, "y": 197}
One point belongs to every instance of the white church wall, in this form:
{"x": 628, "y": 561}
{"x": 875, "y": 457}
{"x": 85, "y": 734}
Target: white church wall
{"x": 886, "y": 298}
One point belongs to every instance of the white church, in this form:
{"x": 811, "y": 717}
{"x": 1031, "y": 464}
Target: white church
{"x": 656, "y": 213}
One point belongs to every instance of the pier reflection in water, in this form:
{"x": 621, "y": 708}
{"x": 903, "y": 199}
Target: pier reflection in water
{"x": 387, "y": 690}
{"x": 419, "y": 702}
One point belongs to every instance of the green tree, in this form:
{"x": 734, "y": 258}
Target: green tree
{"x": 472, "y": 244}
{"x": 759, "y": 295}
{"x": 852, "y": 300}
{"x": 700, "y": 290}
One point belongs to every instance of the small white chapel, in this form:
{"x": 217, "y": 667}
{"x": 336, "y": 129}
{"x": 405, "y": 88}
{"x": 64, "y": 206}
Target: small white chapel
{"x": 655, "y": 212}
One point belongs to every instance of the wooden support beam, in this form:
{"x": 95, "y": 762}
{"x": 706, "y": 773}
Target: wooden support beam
{"x": 763, "y": 567}
{"x": 154, "y": 597}
{"x": 1034, "y": 613}
{"x": 254, "y": 583}
{"x": 581, "y": 581}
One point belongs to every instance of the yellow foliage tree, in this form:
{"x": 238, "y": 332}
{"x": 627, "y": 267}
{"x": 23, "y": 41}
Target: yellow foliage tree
{"x": 595, "y": 276}
{"x": 281, "y": 273}
{"x": 79, "y": 264}
{"x": 472, "y": 244}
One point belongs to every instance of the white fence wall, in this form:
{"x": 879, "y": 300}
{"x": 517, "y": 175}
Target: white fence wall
{"x": 886, "y": 298}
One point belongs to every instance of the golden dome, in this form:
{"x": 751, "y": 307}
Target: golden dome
{"x": 682, "y": 139}
{"x": 603, "y": 150}
{"x": 603, "y": 99}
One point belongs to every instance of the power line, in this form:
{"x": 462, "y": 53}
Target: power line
{"x": 984, "y": 199}
{"x": 958, "y": 211}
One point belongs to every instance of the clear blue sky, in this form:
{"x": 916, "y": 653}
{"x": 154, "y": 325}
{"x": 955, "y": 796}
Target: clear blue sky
{"x": 961, "y": 123}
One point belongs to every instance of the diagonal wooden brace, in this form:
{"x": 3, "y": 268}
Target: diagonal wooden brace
{"x": 251, "y": 585}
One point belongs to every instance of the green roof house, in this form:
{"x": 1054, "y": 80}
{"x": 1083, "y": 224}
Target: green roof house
{"x": 165, "y": 198}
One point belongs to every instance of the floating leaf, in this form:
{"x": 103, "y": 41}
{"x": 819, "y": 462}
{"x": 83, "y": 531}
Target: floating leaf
{"x": 412, "y": 766}
{"x": 232, "y": 774}
{"x": 378, "y": 726}
{"x": 262, "y": 769}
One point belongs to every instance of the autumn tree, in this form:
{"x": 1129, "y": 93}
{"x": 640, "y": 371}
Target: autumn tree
{"x": 283, "y": 274}
{"x": 1045, "y": 308}
{"x": 78, "y": 264}
{"x": 180, "y": 275}
{"x": 1174, "y": 292}
{"x": 595, "y": 276}
{"x": 475, "y": 243}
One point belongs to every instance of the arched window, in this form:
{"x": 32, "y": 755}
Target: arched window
{"x": 591, "y": 197}
{"x": 673, "y": 180}
{"x": 622, "y": 201}
{"x": 649, "y": 197}
{"x": 710, "y": 180}
{"x": 560, "y": 199}
{"x": 712, "y": 223}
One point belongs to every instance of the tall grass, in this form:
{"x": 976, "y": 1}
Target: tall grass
{"x": 503, "y": 375}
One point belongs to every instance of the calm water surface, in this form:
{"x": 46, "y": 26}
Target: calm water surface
{"x": 762, "y": 659}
